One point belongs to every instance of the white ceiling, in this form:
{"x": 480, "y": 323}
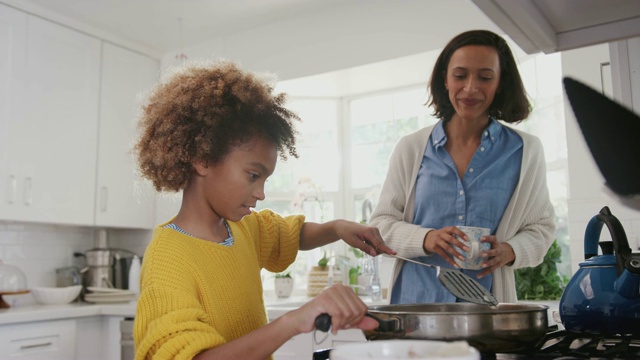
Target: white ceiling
{"x": 556, "y": 25}
{"x": 156, "y": 23}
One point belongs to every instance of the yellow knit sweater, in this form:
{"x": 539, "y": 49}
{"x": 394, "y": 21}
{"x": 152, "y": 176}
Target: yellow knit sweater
{"x": 196, "y": 295}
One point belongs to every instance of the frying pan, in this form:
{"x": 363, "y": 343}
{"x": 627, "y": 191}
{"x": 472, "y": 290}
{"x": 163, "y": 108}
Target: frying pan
{"x": 490, "y": 329}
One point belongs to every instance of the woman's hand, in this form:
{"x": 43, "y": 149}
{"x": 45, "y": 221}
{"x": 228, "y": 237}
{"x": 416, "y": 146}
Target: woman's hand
{"x": 500, "y": 254}
{"x": 443, "y": 242}
{"x": 365, "y": 238}
{"x": 346, "y": 309}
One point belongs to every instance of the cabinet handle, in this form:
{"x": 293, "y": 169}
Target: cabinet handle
{"x": 27, "y": 191}
{"x": 103, "y": 198}
{"x": 11, "y": 189}
{"x": 24, "y": 347}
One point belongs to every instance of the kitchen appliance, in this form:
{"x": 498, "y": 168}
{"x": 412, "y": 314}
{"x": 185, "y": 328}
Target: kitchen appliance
{"x": 68, "y": 276}
{"x": 603, "y": 296}
{"x": 106, "y": 267}
{"x": 561, "y": 345}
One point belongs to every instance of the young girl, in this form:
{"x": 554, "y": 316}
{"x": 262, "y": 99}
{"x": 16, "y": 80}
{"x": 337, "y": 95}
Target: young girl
{"x": 215, "y": 132}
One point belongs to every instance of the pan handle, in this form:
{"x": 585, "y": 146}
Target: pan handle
{"x": 323, "y": 323}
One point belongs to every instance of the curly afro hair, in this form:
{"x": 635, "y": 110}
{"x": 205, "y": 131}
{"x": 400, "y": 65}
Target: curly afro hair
{"x": 201, "y": 113}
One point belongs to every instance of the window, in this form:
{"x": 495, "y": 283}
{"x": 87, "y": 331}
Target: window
{"x": 345, "y": 144}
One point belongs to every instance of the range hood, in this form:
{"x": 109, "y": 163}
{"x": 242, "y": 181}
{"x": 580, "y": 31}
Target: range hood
{"x": 555, "y": 25}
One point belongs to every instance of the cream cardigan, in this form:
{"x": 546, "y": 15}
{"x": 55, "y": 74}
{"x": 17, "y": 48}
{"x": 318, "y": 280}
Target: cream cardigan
{"x": 527, "y": 223}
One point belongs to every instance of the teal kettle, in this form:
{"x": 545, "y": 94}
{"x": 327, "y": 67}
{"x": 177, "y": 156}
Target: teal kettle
{"x": 603, "y": 296}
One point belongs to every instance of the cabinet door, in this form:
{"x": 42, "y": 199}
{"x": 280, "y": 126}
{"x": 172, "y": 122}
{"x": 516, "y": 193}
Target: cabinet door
{"x": 52, "y": 144}
{"x": 13, "y": 39}
{"x": 39, "y": 340}
{"x": 123, "y": 199}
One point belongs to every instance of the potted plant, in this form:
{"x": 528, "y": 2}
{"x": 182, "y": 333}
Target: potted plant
{"x": 283, "y": 284}
{"x": 542, "y": 282}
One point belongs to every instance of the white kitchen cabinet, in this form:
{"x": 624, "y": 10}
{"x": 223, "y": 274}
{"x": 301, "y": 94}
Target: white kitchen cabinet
{"x": 122, "y": 198}
{"x": 98, "y": 338}
{"x": 39, "y": 340}
{"x": 50, "y": 131}
{"x": 13, "y": 40}
{"x": 90, "y": 338}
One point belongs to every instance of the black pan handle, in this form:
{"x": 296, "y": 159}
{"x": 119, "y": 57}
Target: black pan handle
{"x": 323, "y": 323}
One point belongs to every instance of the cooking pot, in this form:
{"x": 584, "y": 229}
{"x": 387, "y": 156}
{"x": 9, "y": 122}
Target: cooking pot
{"x": 603, "y": 296}
{"x": 490, "y": 329}
{"x": 107, "y": 267}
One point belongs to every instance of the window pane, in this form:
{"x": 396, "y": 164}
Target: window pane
{"x": 317, "y": 141}
{"x": 377, "y": 123}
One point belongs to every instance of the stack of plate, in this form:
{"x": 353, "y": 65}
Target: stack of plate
{"x": 107, "y": 295}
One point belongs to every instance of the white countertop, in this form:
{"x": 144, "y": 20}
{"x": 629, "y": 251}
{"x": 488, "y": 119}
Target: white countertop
{"x": 275, "y": 307}
{"x": 26, "y": 313}
{"x": 29, "y": 313}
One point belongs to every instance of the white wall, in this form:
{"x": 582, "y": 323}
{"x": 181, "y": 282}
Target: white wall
{"x": 586, "y": 196}
{"x": 38, "y": 249}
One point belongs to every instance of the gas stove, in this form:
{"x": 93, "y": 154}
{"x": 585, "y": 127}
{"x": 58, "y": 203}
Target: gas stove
{"x": 565, "y": 345}
{"x": 561, "y": 344}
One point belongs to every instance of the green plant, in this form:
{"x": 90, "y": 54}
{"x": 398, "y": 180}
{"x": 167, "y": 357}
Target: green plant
{"x": 542, "y": 282}
{"x": 324, "y": 261}
{"x": 283, "y": 275}
{"x": 356, "y": 252}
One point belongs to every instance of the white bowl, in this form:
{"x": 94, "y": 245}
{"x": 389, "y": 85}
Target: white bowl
{"x": 56, "y": 295}
{"x": 406, "y": 350}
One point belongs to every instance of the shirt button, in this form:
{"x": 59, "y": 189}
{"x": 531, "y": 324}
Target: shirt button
{"x": 471, "y": 170}
{"x": 460, "y": 217}
{"x": 492, "y": 138}
{"x": 482, "y": 148}
{"x": 486, "y": 133}
{"x": 461, "y": 192}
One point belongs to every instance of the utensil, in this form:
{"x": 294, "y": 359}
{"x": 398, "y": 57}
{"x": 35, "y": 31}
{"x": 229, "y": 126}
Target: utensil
{"x": 603, "y": 296}
{"x": 500, "y": 329}
{"x": 460, "y": 285}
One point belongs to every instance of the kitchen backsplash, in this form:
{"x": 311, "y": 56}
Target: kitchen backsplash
{"x": 39, "y": 249}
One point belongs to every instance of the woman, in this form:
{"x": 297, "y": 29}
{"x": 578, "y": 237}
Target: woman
{"x": 471, "y": 170}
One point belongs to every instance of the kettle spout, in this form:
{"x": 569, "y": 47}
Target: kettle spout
{"x": 628, "y": 284}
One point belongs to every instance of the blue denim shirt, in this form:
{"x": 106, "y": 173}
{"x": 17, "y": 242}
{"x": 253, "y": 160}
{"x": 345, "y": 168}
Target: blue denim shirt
{"x": 442, "y": 199}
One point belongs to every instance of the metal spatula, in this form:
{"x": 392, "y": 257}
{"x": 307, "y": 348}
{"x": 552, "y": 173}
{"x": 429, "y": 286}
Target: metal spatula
{"x": 460, "y": 285}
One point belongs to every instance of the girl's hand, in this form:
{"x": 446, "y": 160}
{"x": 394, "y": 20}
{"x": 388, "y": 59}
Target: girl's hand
{"x": 365, "y": 238}
{"x": 500, "y": 254}
{"x": 341, "y": 303}
{"x": 443, "y": 243}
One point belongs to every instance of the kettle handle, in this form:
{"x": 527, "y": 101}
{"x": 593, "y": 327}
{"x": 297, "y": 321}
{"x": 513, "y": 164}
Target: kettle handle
{"x": 620, "y": 244}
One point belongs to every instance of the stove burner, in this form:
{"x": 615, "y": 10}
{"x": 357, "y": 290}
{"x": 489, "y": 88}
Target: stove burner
{"x": 565, "y": 345}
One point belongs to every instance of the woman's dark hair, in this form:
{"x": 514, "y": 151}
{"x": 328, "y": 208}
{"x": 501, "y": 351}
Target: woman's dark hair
{"x": 510, "y": 104}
